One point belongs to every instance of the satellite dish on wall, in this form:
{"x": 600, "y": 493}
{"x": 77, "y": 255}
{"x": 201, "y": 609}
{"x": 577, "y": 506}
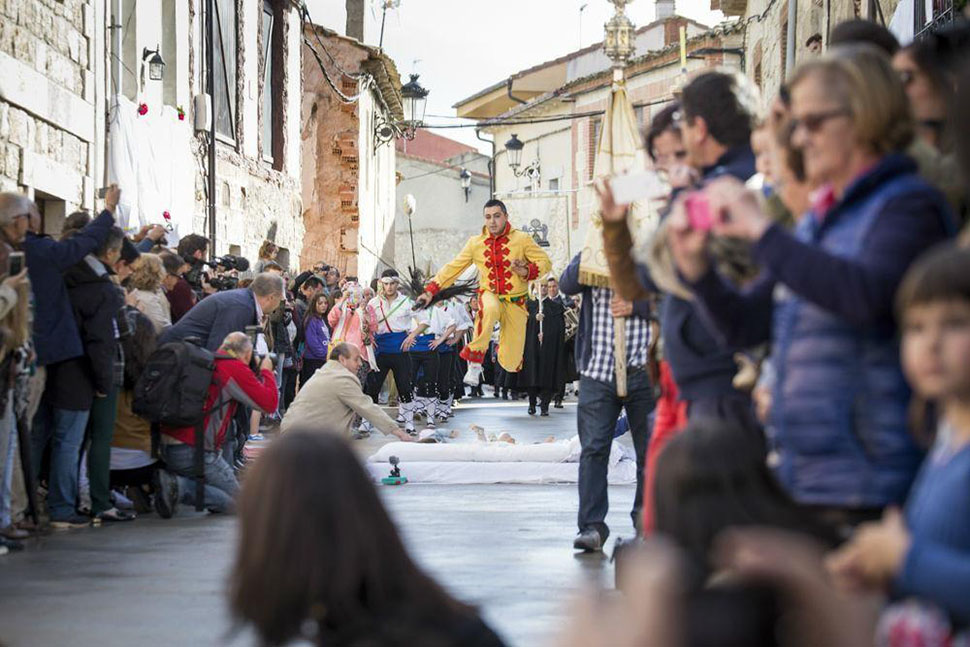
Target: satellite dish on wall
{"x": 410, "y": 204}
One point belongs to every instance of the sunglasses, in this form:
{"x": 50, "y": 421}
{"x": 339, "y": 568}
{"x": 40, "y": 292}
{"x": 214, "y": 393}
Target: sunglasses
{"x": 813, "y": 122}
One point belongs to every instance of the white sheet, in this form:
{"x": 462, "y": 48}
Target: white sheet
{"x": 475, "y": 473}
{"x": 150, "y": 158}
{"x": 561, "y": 451}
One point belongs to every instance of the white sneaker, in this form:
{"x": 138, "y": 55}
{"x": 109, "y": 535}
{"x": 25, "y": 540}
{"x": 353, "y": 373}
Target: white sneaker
{"x": 473, "y": 375}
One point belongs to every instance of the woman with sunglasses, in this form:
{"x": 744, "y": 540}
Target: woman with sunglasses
{"x": 824, "y": 298}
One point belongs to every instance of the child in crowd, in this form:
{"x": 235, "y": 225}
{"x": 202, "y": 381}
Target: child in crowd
{"x": 316, "y": 335}
{"x": 923, "y": 553}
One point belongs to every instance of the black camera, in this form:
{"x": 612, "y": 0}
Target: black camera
{"x": 230, "y": 262}
{"x": 221, "y": 283}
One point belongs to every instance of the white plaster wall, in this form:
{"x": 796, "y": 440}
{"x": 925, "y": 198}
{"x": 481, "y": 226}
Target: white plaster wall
{"x": 376, "y": 194}
{"x": 443, "y": 221}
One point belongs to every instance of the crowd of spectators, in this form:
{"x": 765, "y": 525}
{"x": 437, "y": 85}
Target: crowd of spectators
{"x": 814, "y": 316}
{"x": 811, "y": 445}
{"x": 80, "y": 321}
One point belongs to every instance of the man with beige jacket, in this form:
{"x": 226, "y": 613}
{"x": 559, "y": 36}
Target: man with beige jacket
{"x": 333, "y": 396}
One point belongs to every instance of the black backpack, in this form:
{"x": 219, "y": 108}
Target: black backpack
{"x": 174, "y": 386}
{"x": 172, "y": 391}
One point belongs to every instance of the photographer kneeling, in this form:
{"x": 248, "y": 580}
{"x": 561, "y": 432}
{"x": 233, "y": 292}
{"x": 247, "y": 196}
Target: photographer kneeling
{"x": 231, "y": 311}
{"x": 233, "y": 382}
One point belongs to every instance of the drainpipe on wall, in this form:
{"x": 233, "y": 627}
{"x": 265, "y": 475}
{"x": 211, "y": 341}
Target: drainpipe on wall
{"x": 508, "y": 90}
{"x": 790, "y": 37}
{"x": 491, "y": 162}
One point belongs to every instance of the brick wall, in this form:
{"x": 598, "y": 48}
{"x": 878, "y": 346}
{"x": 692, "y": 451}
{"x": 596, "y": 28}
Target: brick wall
{"x": 331, "y": 164}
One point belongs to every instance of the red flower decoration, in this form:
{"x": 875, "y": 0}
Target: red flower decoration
{"x": 166, "y": 215}
{"x": 181, "y": 112}
{"x": 142, "y": 108}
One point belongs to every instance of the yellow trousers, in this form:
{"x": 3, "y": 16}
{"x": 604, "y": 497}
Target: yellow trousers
{"x": 512, "y": 316}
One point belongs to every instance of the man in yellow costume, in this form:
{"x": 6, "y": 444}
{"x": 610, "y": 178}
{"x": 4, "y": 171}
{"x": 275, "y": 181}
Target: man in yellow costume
{"x": 507, "y": 259}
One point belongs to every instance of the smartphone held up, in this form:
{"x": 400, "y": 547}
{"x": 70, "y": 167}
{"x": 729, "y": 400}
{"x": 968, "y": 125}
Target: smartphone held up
{"x": 700, "y": 217}
{"x": 633, "y": 187}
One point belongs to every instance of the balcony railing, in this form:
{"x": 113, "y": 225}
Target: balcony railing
{"x": 943, "y": 13}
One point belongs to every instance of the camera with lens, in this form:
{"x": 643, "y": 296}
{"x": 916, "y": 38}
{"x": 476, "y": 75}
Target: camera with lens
{"x": 229, "y": 262}
{"x": 221, "y": 283}
{"x": 225, "y": 267}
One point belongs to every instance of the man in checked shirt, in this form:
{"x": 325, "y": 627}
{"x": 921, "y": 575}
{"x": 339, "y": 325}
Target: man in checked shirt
{"x": 600, "y": 406}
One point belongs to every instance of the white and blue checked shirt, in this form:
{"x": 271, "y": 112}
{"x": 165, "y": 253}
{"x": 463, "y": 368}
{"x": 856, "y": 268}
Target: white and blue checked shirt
{"x": 601, "y": 363}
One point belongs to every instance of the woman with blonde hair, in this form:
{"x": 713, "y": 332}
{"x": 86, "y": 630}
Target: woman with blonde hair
{"x": 824, "y": 297}
{"x": 146, "y": 294}
{"x": 267, "y": 254}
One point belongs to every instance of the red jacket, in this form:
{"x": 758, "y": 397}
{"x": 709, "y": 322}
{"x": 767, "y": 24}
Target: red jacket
{"x": 232, "y": 382}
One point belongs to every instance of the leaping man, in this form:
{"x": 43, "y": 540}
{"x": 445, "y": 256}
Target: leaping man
{"x": 507, "y": 259}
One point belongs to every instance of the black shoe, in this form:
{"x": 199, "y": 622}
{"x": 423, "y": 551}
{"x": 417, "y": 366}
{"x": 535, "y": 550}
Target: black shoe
{"x": 545, "y": 412}
{"x": 10, "y": 544}
{"x": 166, "y": 493}
{"x": 532, "y": 409}
{"x": 588, "y": 541}
{"x": 558, "y": 404}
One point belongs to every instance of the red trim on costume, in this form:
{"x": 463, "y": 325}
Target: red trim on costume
{"x": 432, "y": 288}
{"x": 533, "y": 272}
{"x": 473, "y": 356}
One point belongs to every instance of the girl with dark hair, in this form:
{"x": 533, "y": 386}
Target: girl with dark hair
{"x": 713, "y": 477}
{"x": 316, "y": 335}
{"x": 319, "y": 558}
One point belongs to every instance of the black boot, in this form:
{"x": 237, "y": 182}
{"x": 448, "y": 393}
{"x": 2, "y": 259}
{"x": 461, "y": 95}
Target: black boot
{"x": 532, "y": 405}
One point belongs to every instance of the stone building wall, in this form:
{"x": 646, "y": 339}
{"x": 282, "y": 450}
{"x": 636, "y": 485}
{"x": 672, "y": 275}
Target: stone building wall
{"x": 58, "y": 74}
{"x": 256, "y": 199}
{"x": 47, "y": 96}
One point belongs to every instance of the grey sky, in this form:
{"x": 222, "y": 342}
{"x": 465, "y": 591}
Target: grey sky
{"x": 462, "y": 46}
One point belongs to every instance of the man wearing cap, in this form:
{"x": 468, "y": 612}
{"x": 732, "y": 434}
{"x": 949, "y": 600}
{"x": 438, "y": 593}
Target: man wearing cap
{"x": 507, "y": 259}
{"x": 394, "y": 336}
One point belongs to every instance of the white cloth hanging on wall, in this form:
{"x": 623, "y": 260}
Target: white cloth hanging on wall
{"x": 150, "y": 158}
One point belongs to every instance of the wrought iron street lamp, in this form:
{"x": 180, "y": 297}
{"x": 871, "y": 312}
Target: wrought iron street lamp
{"x": 415, "y": 101}
{"x": 513, "y": 148}
{"x": 156, "y": 66}
{"x": 466, "y": 182}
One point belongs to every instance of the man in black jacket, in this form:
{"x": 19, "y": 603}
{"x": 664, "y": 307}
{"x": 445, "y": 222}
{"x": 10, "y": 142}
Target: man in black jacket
{"x": 88, "y": 386}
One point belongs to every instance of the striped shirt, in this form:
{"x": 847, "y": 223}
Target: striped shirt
{"x": 601, "y": 365}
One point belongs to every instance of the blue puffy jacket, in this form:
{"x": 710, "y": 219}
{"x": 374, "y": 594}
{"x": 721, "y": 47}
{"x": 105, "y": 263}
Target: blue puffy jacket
{"x": 838, "y": 418}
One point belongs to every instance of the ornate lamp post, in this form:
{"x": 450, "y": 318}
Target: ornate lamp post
{"x": 620, "y": 40}
{"x": 415, "y": 100}
{"x": 513, "y": 148}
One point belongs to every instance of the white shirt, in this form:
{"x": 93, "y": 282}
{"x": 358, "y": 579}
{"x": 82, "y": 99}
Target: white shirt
{"x": 395, "y": 316}
{"x": 459, "y": 314}
{"x": 437, "y": 319}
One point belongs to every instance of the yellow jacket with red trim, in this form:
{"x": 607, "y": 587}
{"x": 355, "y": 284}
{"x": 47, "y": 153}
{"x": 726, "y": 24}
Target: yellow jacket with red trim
{"x": 493, "y": 256}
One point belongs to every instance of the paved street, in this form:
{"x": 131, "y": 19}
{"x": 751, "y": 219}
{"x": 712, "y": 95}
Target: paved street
{"x": 506, "y": 548}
